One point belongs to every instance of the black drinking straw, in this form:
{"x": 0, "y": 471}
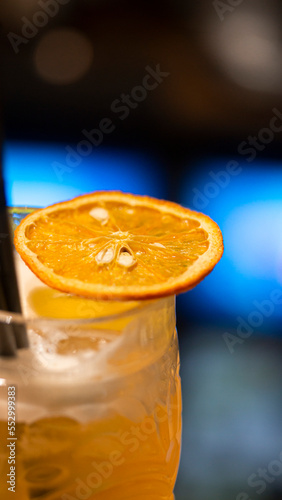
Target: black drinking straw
{"x": 12, "y": 336}
{"x": 8, "y": 345}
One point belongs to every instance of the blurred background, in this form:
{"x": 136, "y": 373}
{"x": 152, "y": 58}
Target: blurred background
{"x": 180, "y": 100}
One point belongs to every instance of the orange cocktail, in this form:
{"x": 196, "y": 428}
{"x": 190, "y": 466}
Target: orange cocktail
{"x": 97, "y": 394}
{"x": 98, "y": 401}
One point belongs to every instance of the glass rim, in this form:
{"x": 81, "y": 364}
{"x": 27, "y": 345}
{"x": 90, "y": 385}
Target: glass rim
{"x": 12, "y": 318}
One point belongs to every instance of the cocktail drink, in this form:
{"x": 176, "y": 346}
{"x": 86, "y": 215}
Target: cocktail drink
{"x": 98, "y": 402}
{"x": 96, "y": 397}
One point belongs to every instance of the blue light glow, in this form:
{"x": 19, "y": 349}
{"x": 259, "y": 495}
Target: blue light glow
{"x": 31, "y": 178}
{"x": 248, "y": 210}
{"x": 254, "y": 234}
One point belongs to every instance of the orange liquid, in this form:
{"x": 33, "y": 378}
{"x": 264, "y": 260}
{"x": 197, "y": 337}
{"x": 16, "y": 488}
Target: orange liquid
{"x": 59, "y": 458}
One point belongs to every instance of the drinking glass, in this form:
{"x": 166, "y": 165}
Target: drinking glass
{"x": 92, "y": 409}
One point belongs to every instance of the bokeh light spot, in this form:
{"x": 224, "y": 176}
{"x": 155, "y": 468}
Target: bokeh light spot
{"x": 63, "y": 56}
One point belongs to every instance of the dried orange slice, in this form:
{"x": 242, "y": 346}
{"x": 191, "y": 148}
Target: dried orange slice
{"x": 112, "y": 245}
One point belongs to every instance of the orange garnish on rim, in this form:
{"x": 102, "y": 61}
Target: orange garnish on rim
{"x": 112, "y": 245}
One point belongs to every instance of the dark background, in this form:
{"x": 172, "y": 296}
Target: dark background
{"x": 61, "y": 73}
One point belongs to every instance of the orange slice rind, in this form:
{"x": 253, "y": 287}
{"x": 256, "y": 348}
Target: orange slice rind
{"x": 117, "y": 246}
